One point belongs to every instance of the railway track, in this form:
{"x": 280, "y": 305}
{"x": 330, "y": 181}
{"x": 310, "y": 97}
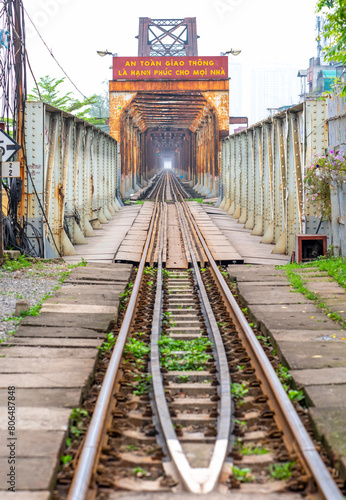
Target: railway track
{"x": 190, "y": 401}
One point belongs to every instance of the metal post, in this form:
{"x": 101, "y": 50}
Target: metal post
{"x": 1, "y": 216}
{"x": 20, "y": 77}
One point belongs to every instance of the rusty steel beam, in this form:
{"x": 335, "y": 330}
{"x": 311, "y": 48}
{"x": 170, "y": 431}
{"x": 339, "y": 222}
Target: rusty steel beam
{"x": 167, "y": 37}
{"x": 172, "y": 86}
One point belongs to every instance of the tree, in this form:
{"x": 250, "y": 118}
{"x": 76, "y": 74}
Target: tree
{"x": 100, "y": 108}
{"x": 50, "y": 94}
{"x": 334, "y": 30}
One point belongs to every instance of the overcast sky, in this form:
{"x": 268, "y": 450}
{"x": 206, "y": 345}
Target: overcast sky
{"x": 268, "y": 31}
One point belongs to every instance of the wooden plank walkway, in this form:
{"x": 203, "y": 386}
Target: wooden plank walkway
{"x": 247, "y": 245}
{"x": 131, "y": 247}
{"x": 176, "y": 258}
{"x": 221, "y": 248}
{"x": 123, "y": 238}
{"x": 103, "y": 246}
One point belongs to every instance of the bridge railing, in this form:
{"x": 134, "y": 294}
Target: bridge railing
{"x": 73, "y": 166}
{"x": 262, "y": 169}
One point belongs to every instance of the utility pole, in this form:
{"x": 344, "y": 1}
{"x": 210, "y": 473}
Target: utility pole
{"x": 17, "y": 13}
{"x": 1, "y": 217}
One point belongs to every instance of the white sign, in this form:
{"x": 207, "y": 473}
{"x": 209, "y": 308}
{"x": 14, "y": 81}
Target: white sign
{"x": 10, "y": 169}
{"x": 8, "y": 146}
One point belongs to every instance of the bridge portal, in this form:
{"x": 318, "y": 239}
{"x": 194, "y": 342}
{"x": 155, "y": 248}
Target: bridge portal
{"x": 169, "y": 106}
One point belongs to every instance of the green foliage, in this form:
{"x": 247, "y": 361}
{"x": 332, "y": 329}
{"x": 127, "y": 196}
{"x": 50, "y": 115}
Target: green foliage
{"x": 336, "y": 268}
{"x": 242, "y": 475}
{"x": 323, "y": 170}
{"x": 14, "y": 265}
{"x": 283, "y": 375}
{"x": 296, "y": 396}
{"x": 127, "y": 292}
{"x": 194, "y": 356}
{"x": 334, "y": 30}
{"x": 239, "y": 391}
{"x": 33, "y": 311}
{"x": 66, "y": 459}
{"x": 143, "y": 384}
{"x": 137, "y": 348}
{"x": 242, "y": 423}
{"x": 100, "y": 108}
{"x": 132, "y": 447}
{"x": 108, "y": 344}
{"x": 281, "y": 471}
{"x": 77, "y": 426}
{"x": 51, "y": 94}
{"x": 250, "y": 449}
{"x": 139, "y": 202}
{"x": 286, "y": 379}
{"x": 199, "y": 200}
{"x": 138, "y": 471}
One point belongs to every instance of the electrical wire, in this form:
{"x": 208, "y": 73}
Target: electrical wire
{"x": 51, "y": 53}
{"x": 14, "y": 92}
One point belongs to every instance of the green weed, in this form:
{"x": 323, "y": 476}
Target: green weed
{"x": 251, "y": 449}
{"x": 77, "y": 417}
{"x": 138, "y": 471}
{"x": 281, "y": 471}
{"x": 143, "y": 384}
{"x": 20, "y": 262}
{"x": 239, "y": 391}
{"x": 132, "y": 447}
{"x": 66, "y": 459}
{"x": 137, "y": 348}
{"x": 194, "y": 356}
{"x": 242, "y": 475}
{"x": 199, "y": 200}
{"x": 296, "y": 396}
{"x": 108, "y": 344}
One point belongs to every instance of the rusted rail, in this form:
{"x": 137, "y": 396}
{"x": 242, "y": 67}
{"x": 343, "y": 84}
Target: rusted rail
{"x": 295, "y": 436}
{"x": 91, "y": 448}
{"x": 195, "y": 480}
{"x": 199, "y": 479}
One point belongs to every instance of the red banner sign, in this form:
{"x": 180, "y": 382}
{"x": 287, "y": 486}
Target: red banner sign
{"x": 170, "y": 68}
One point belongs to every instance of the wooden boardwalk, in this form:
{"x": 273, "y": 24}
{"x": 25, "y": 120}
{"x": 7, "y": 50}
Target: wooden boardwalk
{"x": 104, "y": 245}
{"x": 132, "y": 245}
{"x": 221, "y": 248}
{"x": 123, "y": 238}
{"x": 248, "y": 246}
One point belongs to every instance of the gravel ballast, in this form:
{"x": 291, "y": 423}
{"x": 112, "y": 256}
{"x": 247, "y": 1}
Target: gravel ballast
{"x": 32, "y": 283}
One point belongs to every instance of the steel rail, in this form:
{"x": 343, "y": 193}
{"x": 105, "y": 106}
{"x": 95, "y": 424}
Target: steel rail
{"x": 196, "y": 480}
{"x": 294, "y": 433}
{"x": 82, "y": 477}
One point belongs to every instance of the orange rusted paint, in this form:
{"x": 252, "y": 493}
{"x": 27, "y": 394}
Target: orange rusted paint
{"x": 182, "y": 120}
{"x": 168, "y": 85}
{"x": 220, "y": 101}
{"x": 117, "y": 102}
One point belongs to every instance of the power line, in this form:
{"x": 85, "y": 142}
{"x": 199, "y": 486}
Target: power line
{"x": 11, "y": 60}
{"x": 51, "y": 53}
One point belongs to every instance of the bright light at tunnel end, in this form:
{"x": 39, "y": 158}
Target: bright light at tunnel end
{"x": 167, "y": 164}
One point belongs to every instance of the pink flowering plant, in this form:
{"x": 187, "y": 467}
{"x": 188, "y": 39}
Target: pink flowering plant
{"x": 324, "y": 170}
